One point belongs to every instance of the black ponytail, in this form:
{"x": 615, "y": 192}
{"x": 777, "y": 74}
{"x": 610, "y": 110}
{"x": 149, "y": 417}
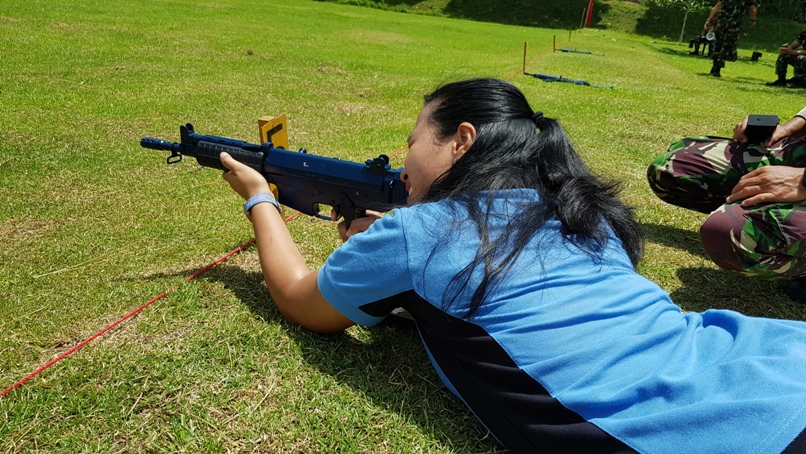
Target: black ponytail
{"x": 515, "y": 148}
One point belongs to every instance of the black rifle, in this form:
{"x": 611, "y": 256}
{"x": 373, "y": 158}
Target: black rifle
{"x": 578, "y": 51}
{"x": 550, "y": 78}
{"x": 304, "y": 181}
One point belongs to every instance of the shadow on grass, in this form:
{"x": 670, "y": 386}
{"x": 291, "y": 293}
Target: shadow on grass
{"x": 707, "y": 288}
{"x": 675, "y": 237}
{"x": 660, "y": 22}
{"x": 387, "y": 364}
{"x": 563, "y": 14}
{"x": 767, "y": 58}
{"x": 402, "y": 2}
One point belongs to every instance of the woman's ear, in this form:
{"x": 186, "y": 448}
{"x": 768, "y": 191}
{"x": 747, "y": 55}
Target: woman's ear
{"x": 465, "y": 137}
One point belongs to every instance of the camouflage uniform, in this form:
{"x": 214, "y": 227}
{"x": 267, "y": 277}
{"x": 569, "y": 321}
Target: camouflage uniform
{"x": 765, "y": 240}
{"x": 798, "y": 62}
{"x": 727, "y": 29}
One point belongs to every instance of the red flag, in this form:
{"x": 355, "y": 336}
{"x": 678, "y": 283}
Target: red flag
{"x": 590, "y": 14}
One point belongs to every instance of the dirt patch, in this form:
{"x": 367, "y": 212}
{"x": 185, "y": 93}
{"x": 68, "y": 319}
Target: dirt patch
{"x": 24, "y": 229}
{"x": 330, "y": 70}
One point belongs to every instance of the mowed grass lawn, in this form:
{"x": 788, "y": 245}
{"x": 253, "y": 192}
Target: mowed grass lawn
{"x": 93, "y": 226}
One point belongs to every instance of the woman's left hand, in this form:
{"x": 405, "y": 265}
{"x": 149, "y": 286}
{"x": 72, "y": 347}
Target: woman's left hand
{"x": 243, "y": 179}
{"x": 770, "y": 184}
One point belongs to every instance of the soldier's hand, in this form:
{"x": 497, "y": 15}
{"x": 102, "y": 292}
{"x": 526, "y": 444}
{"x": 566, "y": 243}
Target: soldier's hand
{"x": 739, "y": 131}
{"x": 781, "y": 132}
{"x": 769, "y": 184}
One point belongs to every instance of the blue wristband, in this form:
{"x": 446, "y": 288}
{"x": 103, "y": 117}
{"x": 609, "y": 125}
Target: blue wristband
{"x": 260, "y": 198}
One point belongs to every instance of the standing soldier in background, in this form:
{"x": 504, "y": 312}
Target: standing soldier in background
{"x": 790, "y": 55}
{"x": 729, "y": 14}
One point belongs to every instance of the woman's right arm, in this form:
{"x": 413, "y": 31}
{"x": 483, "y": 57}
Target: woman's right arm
{"x": 293, "y": 286}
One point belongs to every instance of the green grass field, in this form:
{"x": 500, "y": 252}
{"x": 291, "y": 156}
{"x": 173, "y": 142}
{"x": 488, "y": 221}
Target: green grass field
{"x": 93, "y": 226}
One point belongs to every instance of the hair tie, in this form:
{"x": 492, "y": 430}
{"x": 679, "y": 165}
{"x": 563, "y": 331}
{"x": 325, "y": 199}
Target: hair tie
{"x": 537, "y": 118}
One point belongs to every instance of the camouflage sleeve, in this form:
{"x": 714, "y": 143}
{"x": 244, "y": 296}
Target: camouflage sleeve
{"x": 698, "y": 173}
{"x": 695, "y": 173}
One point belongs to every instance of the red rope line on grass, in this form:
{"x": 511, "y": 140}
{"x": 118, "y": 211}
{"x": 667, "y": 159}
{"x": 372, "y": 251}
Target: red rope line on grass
{"x": 131, "y": 314}
{"x": 123, "y": 319}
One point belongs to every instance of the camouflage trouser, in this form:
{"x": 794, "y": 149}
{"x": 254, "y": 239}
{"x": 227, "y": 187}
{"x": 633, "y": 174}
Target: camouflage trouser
{"x": 798, "y": 63}
{"x": 766, "y": 240}
{"x": 725, "y": 47}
